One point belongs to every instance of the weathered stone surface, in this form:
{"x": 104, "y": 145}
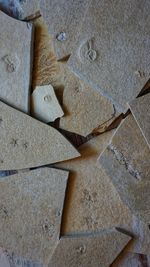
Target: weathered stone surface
{"x": 64, "y": 20}
{"x": 46, "y": 69}
{"x": 126, "y": 161}
{"x": 140, "y": 109}
{"x": 89, "y": 250}
{"x": 85, "y": 109}
{"x": 26, "y": 142}
{"x": 12, "y": 8}
{"x": 30, "y": 212}
{"x": 30, "y": 8}
{"x": 141, "y": 242}
{"x": 92, "y": 201}
{"x": 126, "y": 259}
{"x": 15, "y": 61}
{"x": 112, "y": 52}
{"x": 45, "y": 105}
{"x": 8, "y": 259}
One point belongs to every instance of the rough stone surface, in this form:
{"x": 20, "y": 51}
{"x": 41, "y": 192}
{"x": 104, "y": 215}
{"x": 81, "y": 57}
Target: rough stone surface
{"x": 126, "y": 161}
{"x": 15, "y": 61}
{"x": 92, "y": 201}
{"x": 89, "y": 250}
{"x": 112, "y": 52}
{"x": 30, "y": 8}
{"x": 85, "y": 109}
{"x": 30, "y": 212}
{"x": 64, "y": 20}
{"x": 140, "y": 109}
{"x": 126, "y": 259}
{"x": 45, "y": 105}
{"x": 26, "y": 142}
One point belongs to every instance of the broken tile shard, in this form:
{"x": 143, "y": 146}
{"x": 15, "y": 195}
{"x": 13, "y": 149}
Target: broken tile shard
{"x": 126, "y": 161}
{"x": 15, "y": 61}
{"x": 67, "y": 17}
{"x": 92, "y": 202}
{"x": 89, "y": 250}
{"x": 31, "y": 207}
{"x": 112, "y": 53}
{"x": 26, "y": 142}
{"x": 85, "y": 109}
{"x": 45, "y": 105}
{"x": 140, "y": 109}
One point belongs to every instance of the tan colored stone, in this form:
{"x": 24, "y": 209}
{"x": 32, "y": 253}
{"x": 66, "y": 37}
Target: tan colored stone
{"x": 112, "y": 53}
{"x": 64, "y": 17}
{"x": 89, "y": 250}
{"x": 126, "y": 161}
{"x": 45, "y": 105}
{"x": 30, "y": 212}
{"x": 26, "y": 142}
{"x": 15, "y": 61}
{"x": 92, "y": 201}
{"x": 46, "y": 69}
{"x": 85, "y": 109}
{"x": 140, "y": 109}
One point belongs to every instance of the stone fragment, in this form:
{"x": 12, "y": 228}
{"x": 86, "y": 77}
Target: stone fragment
{"x": 30, "y": 9}
{"x": 85, "y": 109}
{"x": 46, "y": 69}
{"x": 89, "y": 250}
{"x": 126, "y": 161}
{"x": 45, "y": 105}
{"x": 15, "y": 61}
{"x": 30, "y": 212}
{"x": 112, "y": 51}
{"x": 26, "y": 142}
{"x": 64, "y": 20}
{"x": 140, "y": 109}
{"x": 92, "y": 201}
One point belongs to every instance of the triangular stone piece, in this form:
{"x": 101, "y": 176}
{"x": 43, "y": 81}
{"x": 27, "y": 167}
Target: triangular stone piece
{"x": 126, "y": 161}
{"x": 15, "y": 61}
{"x": 140, "y": 109}
{"x": 26, "y": 142}
{"x": 112, "y": 52}
{"x": 85, "y": 109}
{"x": 92, "y": 202}
{"x": 64, "y": 20}
{"x": 89, "y": 250}
{"x": 31, "y": 207}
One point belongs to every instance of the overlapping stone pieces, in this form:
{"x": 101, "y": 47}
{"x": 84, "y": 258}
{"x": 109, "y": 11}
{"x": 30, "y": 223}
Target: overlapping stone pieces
{"x": 112, "y": 51}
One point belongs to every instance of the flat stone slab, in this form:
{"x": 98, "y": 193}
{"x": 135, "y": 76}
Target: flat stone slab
{"x": 26, "y": 142}
{"x": 85, "y": 109}
{"x": 45, "y": 105}
{"x": 126, "y": 161}
{"x": 112, "y": 51}
{"x": 15, "y": 61}
{"x": 92, "y": 202}
{"x": 140, "y": 109}
{"x": 64, "y": 20}
{"x": 89, "y": 250}
{"x": 31, "y": 207}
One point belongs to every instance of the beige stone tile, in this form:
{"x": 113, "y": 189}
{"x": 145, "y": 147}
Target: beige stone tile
{"x": 92, "y": 202}
{"x": 45, "y": 105}
{"x": 30, "y": 212}
{"x": 15, "y": 61}
{"x": 64, "y": 20}
{"x": 140, "y": 109}
{"x": 89, "y": 250}
{"x": 26, "y": 142}
{"x": 85, "y": 109}
{"x": 112, "y": 51}
{"x": 126, "y": 161}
